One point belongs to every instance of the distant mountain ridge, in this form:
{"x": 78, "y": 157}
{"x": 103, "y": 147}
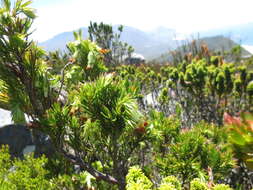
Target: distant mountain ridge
{"x": 60, "y": 41}
{"x": 241, "y": 33}
{"x": 149, "y": 44}
{"x": 152, "y": 44}
{"x": 221, "y": 43}
{"x": 214, "y": 43}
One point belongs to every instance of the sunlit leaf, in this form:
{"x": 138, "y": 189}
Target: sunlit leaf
{"x": 26, "y": 4}
{"x": 29, "y": 12}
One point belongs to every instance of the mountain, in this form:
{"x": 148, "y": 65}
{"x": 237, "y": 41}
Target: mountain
{"x": 215, "y": 43}
{"x": 241, "y": 34}
{"x": 220, "y": 43}
{"x": 149, "y": 44}
{"x": 152, "y": 44}
{"x": 59, "y": 41}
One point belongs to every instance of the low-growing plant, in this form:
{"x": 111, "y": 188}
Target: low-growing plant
{"x": 221, "y": 187}
{"x": 196, "y": 184}
{"x": 193, "y": 152}
{"x": 27, "y": 174}
{"x": 240, "y": 131}
{"x": 136, "y": 180}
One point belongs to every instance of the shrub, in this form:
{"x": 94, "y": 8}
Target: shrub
{"x": 27, "y": 174}
{"x": 193, "y": 152}
{"x": 221, "y": 187}
{"x": 136, "y": 180}
{"x": 171, "y": 181}
{"x": 196, "y": 184}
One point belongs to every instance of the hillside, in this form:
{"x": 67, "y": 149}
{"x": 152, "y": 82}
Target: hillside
{"x": 221, "y": 43}
{"x": 59, "y": 41}
{"x": 152, "y": 44}
{"x": 215, "y": 43}
{"x": 149, "y": 44}
{"x": 241, "y": 34}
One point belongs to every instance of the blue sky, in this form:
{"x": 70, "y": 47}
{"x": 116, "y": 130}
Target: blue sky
{"x": 56, "y": 16}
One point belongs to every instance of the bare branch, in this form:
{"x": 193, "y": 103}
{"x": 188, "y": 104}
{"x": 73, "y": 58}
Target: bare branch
{"x": 85, "y": 166}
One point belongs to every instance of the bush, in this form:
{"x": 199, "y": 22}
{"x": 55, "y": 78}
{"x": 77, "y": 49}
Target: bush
{"x": 221, "y": 187}
{"x": 171, "y": 181}
{"x": 136, "y": 180}
{"x": 27, "y": 174}
{"x": 196, "y": 184}
{"x": 167, "y": 186}
{"x": 193, "y": 152}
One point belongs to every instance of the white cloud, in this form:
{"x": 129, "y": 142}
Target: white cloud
{"x": 248, "y": 48}
{"x": 183, "y": 15}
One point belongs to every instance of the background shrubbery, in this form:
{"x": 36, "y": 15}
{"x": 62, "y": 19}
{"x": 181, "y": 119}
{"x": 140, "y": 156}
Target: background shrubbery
{"x": 123, "y": 127}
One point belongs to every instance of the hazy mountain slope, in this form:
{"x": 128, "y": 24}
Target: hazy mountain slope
{"x": 221, "y": 43}
{"x": 153, "y": 43}
{"x": 215, "y": 43}
{"x": 149, "y": 44}
{"x": 241, "y": 34}
{"x": 59, "y": 41}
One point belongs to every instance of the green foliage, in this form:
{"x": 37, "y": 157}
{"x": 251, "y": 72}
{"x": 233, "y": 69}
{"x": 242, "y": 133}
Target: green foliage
{"x": 56, "y": 60}
{"x": 136, "y": 180}
{"x": 164, "y": 130}
{"x": 195, "y": 74}
{"x": 196, "y": 184}
{"x": 193, "y": 152}
{"x": 164, "y": 98}
{"x": 87, "y": 58}
{"x": 237, "y": 86}
{"x": 21, "y": 66}
{"x": 105, "y": 109}
{"x": 241, "y": 136}
{"x": 115, "y": 51}
{"x": 215, "y": 60}
{"x": 101, "y": 33}
{"x": 237, "y": 53}
{"x": 170, "y": 182}
{"x": 250, "y": 88}
{"x": 4, "y": 160}
{"x": 167, "y": 187}
{"x": 31, "y": 173}
{"x": 221, "y": 187}
{"x": 25, "y": 174}
{"x": 204, "y": 89}
{"x": 73, "y": 182}
{"x": 94, "y": 120}
{"x": 111, "y": 103}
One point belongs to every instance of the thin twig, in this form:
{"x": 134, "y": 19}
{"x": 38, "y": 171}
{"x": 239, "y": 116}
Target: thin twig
{"x": 62, "y": 79}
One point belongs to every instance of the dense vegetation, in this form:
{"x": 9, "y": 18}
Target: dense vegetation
{"x": 123, "y": 127}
